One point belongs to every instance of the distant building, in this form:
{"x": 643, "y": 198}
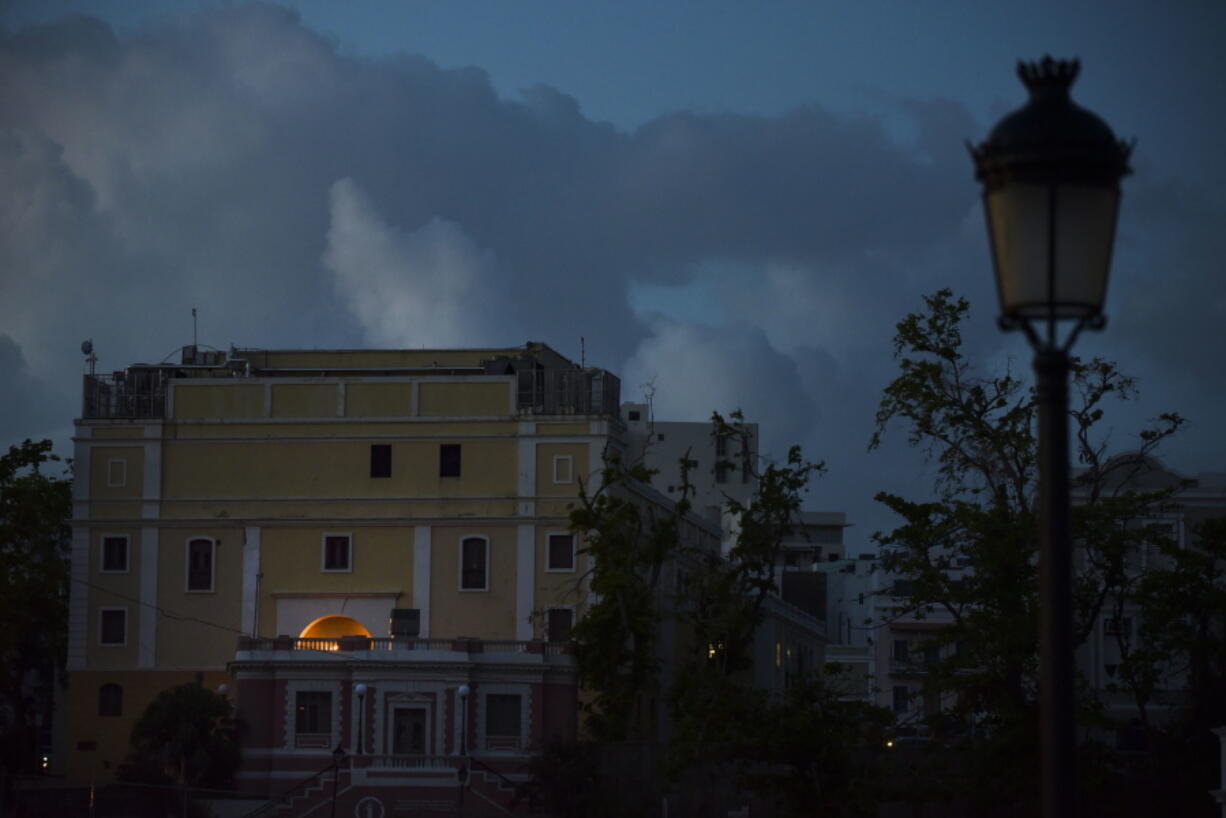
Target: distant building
{"x": 1195, "y": 499}
{"x": 717, "y": 474}
{"x": 896, "y": 651}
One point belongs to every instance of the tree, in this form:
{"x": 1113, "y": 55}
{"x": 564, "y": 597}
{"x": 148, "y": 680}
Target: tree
{"x": 186, "y": 736}
{"x": 631, "y": 539}
{"x": 722, "y": 600}
{"x": 978, "y": 431}
{"x": 34, "y": 534}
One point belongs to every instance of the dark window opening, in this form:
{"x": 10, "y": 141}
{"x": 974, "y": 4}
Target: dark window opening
{"x": 114, "y": 553}
{"x": 473, "y": 558}
{"x": 559, "y": 624}
{"x": 449, "y": 460}
{"x": 380, "y": 460}
{"x": 110, "y": 700}
{"x": 313, "y": 712}
{"x": 336, "y": 553}
{"x": 502, "y": 720}
{"x": 409, "y": 730}
{"x": 634, "y": 414}
{"x": 114, "y": 627}
{"x": 561, "y": 552}
{"x": 200, "y": 565}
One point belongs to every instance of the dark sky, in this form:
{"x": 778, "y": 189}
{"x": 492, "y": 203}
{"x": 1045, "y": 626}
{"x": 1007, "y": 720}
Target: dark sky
{"x": 733, "y": 202}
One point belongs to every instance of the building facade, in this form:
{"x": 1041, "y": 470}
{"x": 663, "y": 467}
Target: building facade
{"x": 366, "y": 549}
{"x": 716, "y": 474}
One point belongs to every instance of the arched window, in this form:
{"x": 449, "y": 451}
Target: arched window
{"x": 474, "y": 564}
{"x": 200, "y": 552}
{"x": 110, "y": 700}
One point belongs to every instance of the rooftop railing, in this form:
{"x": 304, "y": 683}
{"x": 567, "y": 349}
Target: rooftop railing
{"x": 568, "y": 391}
{"x": 401, "y": 644}
{"x": 136, "y": 392}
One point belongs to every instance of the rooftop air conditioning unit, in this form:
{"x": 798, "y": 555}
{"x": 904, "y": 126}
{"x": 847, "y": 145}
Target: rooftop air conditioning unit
{"x": 405, "y": 622}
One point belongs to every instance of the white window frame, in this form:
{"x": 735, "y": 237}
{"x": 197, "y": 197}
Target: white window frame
{"x": 323, "y": 552}
{"x": 106, "y": 609}
{"x": 573, "y": 619}
{"x": 460, "y": 563}
{"x": 122, "y": 482}
{"x": 574, "y": 552}
{"x": 563, "y": 463}
{"x": 127, "y": 554}
{"x": 187, "y": 565}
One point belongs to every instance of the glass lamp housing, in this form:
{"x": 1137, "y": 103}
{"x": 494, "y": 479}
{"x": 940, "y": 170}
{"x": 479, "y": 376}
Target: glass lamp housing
{"x": 1050, "y": 174}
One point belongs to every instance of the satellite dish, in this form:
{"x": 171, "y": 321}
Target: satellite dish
{"x": 87, "y": 347}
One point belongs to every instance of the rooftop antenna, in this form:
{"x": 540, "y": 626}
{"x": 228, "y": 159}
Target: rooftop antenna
{"x": 87, "y": 349}
{"x": 582, "y": 352}
{"x": 193, "y": 326}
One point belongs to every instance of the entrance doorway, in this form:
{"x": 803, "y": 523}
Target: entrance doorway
{"x": 409, "y": 731}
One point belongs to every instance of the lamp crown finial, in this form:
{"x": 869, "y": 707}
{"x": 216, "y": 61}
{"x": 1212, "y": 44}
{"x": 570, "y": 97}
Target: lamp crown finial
{"x": 1048, "y": 76}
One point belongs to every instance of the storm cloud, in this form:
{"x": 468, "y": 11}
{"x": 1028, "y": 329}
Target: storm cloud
{"x": 237, "y": 162}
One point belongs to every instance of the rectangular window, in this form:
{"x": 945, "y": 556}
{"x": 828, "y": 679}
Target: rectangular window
{"x": 313, "y": 713}
{"x": 115, "y": 553}
{"x": 449, "y": 460}
{"x": 116, "y": 473}
{"x": 113, "y": 626}
{"x": 380, "y": 460}
{"x": 563, "y": 469}
{"x": 721, "y": 472}
{"x": 200, "y": 564}
{"x": 634, "y": 415}
{"x": 561, "y": 553}
{"x": 902, "y": 699}
{"x": 502, "y": 721}
{"x": 409, "y": 730}
{"x": 337, "y": 552}
{"x": 474, "y": 562}
{"x": 559, "y": 624}
{"x": 902, "y": 650}
{"x": 110, "y": 700}
{"x": 721, "y": 447}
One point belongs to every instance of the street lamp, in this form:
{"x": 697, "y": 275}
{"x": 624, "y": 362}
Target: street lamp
{"x": 338, "y": 756}
{"x": 463, "y": 694}
{"x": 361, "y": 691}
{"x": 462, "y": 774}
{"x": 1050, "y": 172}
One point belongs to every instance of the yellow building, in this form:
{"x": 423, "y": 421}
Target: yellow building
{"x": 368, "y": 548}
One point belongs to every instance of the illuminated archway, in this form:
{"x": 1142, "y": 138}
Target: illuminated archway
{"x": 333, "y": 627}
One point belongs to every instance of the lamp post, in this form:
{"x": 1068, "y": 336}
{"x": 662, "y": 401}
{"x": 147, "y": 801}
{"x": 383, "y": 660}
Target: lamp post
{"x": 462, "y": 774}
{"x": 1050, "y": 172}
{"x": 361, "y": 691}
{"x": 338, "y": 755}
{"x": 462, "y": 692}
